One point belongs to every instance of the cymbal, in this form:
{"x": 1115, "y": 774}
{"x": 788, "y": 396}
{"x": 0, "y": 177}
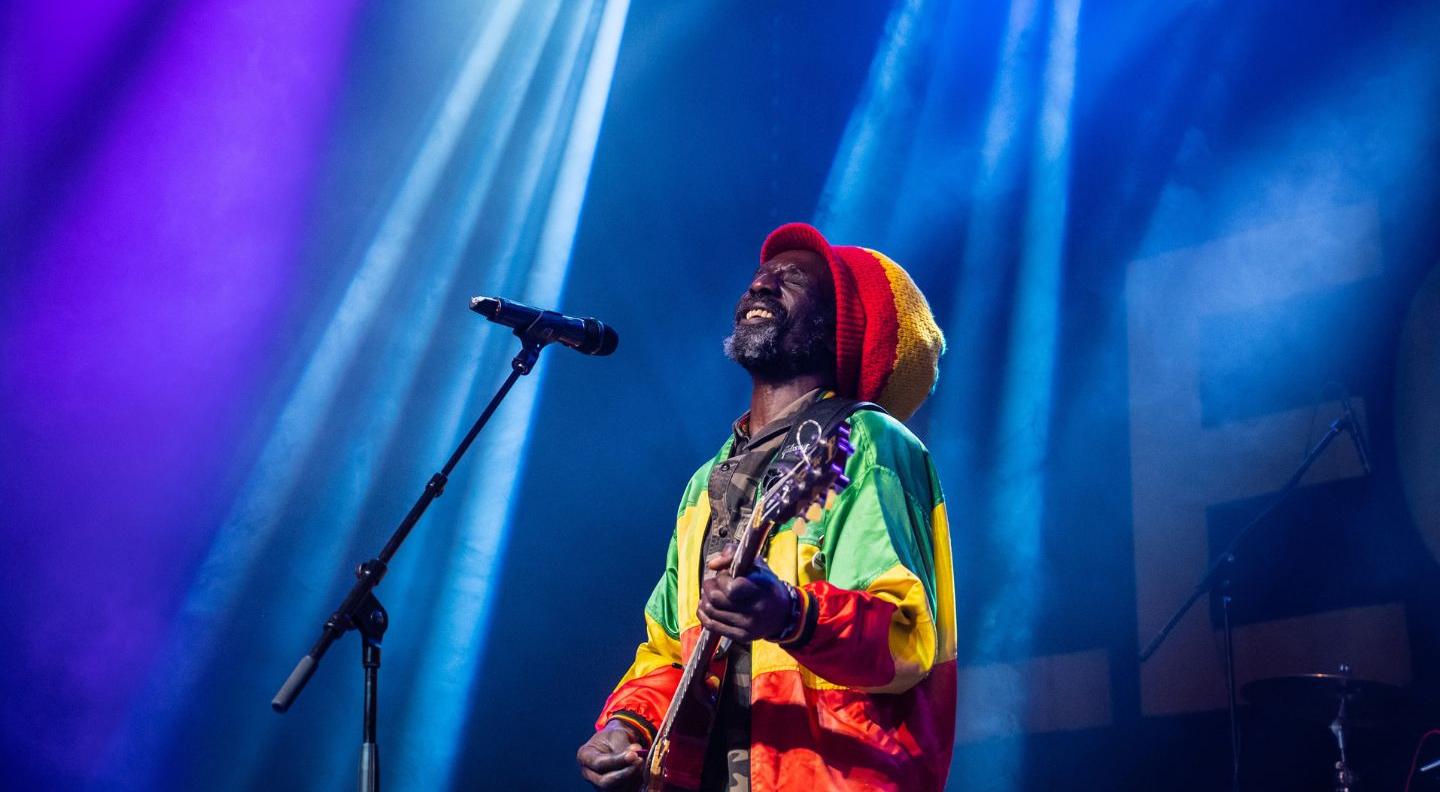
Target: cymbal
{"x": 1318, "y": 696}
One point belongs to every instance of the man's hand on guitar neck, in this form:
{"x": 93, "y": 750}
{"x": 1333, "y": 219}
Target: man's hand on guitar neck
{"x": 757, "y": 605}
{"x": 611, "y": 758}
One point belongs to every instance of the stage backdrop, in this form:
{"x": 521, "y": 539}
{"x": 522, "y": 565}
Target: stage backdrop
{"x": 1166, "y": 241}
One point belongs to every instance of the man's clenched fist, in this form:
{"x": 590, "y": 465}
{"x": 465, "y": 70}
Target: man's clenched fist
{"x": 611, "y": 758}
{"x": 747, "y": 608}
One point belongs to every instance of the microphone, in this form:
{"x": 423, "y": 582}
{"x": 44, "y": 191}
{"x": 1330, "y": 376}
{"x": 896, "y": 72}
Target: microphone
{"x": 585, "y": 335}
{"x": 1355, "y": 435}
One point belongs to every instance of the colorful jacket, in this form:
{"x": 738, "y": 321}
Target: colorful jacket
{"x": 865, "y": 697}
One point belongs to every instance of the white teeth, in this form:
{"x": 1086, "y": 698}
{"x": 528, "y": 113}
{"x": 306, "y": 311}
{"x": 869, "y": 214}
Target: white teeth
{"x": 760, "y": 312}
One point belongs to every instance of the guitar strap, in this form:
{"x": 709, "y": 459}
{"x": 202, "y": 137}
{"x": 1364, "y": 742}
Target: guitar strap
{"x": 828, "y": 413}
{"x": 734, "y": 481}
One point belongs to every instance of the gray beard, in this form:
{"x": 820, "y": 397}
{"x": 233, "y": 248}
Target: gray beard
{"x": 769, "y": 354}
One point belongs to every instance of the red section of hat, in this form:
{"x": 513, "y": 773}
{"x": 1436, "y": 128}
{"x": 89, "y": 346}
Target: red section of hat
{"x": 882, "y": 326}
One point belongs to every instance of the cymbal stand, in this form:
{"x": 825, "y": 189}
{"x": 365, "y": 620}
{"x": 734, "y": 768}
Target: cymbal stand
{"x": 1344, "y": 778}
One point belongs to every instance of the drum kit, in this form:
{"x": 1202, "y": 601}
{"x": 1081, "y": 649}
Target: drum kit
{"x": 1348, "y": 706}
{"x": 1343, "y": 702}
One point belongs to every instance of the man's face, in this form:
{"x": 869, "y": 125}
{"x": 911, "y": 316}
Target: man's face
{"x": 785, "y": 321}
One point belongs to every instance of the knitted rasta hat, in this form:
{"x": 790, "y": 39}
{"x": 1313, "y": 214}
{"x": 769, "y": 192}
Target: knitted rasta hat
{"x": 887, "y": 345}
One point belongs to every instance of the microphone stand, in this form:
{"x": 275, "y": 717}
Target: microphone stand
{"x": 361, "y": 611}
{"x": 1218, "y": 576}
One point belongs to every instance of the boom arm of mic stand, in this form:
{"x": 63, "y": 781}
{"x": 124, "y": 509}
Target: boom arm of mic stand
{"x": 1208, "y": 580}
{"x": 353, "y": 608}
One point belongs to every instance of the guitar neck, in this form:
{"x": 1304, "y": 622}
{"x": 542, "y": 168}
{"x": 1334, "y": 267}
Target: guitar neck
{"x": 748, "y": 548}
{"x": 708, "y": 642}
{"x": 802, "y": 487}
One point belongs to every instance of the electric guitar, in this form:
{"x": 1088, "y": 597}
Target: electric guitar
{"x": 677, "y": 756}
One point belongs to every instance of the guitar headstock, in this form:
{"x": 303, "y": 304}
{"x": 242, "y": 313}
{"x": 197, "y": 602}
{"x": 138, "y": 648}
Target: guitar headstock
{"x": 819, "y": 475}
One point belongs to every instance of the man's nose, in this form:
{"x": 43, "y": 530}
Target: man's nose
{"x": 765, "y": 283}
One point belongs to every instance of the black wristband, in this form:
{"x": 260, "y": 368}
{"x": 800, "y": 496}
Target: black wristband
{"x": 792, "y": 619}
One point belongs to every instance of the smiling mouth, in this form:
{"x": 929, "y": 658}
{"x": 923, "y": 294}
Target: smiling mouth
{"x": 759, "y": 311}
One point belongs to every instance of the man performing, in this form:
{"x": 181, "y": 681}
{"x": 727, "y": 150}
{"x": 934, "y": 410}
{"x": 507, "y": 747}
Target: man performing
{"x": 842, "y": 661}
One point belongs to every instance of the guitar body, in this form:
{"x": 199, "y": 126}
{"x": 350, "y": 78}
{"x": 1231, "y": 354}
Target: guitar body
{"x": 677, "y": 757}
